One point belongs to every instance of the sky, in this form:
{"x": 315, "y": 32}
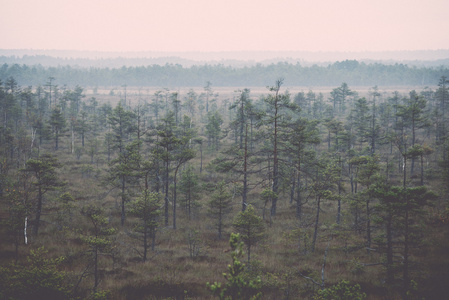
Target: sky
{"x": 224, "y": 25}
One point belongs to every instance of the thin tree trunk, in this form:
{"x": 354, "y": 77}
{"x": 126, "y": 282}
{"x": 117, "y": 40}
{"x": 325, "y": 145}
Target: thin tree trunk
{"x": 422, "y": 170}
{"x": 166, "y": 194}
{"x": 201, "y": 157}
{"x": 96, "y": 269}
{"x": 317, "y": 218}
{"x": 390, "y": 274}
{"x": 145, "y": 234}
{"x": 38, "y": 211}
{"x": 153, "y": 238}
{"x": 174, "y": 197}
{"x": 245, "y": 175}
{"x": 406, "y": 251}
{"x": 368, "y": 224}
{"x": 275, "y": 161}
{"x": 122, "y": 219}
{"x": 72, "y": 144}
{"x": 219, "y": 224}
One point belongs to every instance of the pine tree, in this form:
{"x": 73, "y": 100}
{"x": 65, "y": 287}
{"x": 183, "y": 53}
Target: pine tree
{"x": 279, "y": 112}
{"x": 124, "y": 170}
{"x": 58, "y": 124}
{"x": 250, "y": 227}
{"x": 45, "y": 179}
{"x": 190, "y": 190}
{"x": 147, "y": 209}
{"x": 238, "y": 285}
{"x": 98, "y": 238}
{"x": 220, "y": 206}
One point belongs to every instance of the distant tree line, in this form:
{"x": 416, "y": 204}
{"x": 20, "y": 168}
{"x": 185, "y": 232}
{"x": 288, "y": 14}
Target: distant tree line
{"x": 353, "y": 72}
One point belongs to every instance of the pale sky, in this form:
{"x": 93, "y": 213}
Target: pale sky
{"x": 225, "y": 25}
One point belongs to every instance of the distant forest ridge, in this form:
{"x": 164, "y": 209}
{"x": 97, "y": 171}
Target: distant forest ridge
{"x": 54, "y": 58}
{"x": 175, "y": 72}
{"x": 96, "y": 58}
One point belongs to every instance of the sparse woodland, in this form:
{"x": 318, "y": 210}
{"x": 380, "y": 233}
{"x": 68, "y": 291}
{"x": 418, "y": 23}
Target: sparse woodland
{"x": 131, "y": 194}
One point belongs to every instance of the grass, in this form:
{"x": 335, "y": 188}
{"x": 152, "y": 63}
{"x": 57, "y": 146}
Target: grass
{"x": 171, "y": 272}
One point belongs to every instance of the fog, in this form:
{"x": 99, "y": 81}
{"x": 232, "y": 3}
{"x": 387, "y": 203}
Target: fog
{"x": 228, "y": 58}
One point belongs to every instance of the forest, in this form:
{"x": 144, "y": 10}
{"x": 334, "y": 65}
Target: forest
{"x": 195, "y": 194}
{"x": 173, "y": 75}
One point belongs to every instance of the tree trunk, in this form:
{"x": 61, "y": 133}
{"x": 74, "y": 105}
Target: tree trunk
{"x": 56, "y": 139}
{"x": 122, "y": 219}
{"x": 174, "y": 197}
{"x": 38, "y": 211}
{"x": 390, "y": 272}
{"x": 219, "y": 224}
{"x": 201, "y": 157}
{"x": 72, "y": 142}
{"x": 145, "y": 237}
{"x": 153, "y": 238}
{"x": 317, "y": 218}
{"x": 275, "y": 163}
{"x": 298, "y": 190}
{"x": 166, "y": 194}
{"x": 97, "y": 279}
{"x": 293, "y": 186}
{"x": 406, "y": 251}
{"x": 422, "y": 170}
{"x": 245, "y": 175}
{"x": 368, "y": 223}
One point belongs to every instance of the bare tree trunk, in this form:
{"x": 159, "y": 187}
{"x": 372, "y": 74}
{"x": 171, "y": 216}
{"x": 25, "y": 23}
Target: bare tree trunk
{"x": 174, "y": 197}
{"x": 317, "y": 218}
{"x": 72, "y": 144}
{"x": 275, "y": 160}
{"x": 123, "y": 201}
{"x": 39, "y": 211}
{"x": 166, "y": 194}
{"x": 245, "y": 175}
{"x": 145, "y": 236}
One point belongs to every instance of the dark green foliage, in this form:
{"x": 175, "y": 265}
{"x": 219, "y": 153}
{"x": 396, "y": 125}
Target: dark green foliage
{"x": 166, "y": 144}
{"x": 400, "y": 212}
{"x": 277, "y": 119}
{"x": 190, "y": 191}
{"x": 244, "y": 112}
{"x": 58, "y": 123}
{"x": 18, "y": 209}
{"x": 251, "y": 228}
{"x": 121, "y": 122}
{"x": 124, "y": 170}
{"x": 38, "y": 278}
{"x": 341, "y": 291}
{"x": 220, "y": 206}
{"x": 238, "y": 285}
{"x": 339, "y": 97}
{"x": 45, "y": 178}
{"x": 66, "y": 209}
{"x": 213, "y": 130}
{"x": 147, "y": 209}
{"x": 98, "y": 238}
{"x": 301, "y": 135}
